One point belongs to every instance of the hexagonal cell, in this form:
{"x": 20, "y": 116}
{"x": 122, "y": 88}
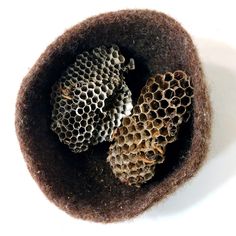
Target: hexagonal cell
{"x": 181, "y": 110}
{"x": 175, "y": 120}
{"x": 121, "y": 140}
{"x": 68, "y": 134}
{"x": 140, "y": 126}
{"x": 153, "y": 87}
{"x": 131, "y": 128}
{"x": 123, "y": 130}
{"x": 168, "y": 77}
{"x": 152, "y": 115}
{"x": 179, "y": 92}
{"x": 157, "y": 123}
{"x": 154, "y": 105}
{"x": 169, "y": 93}
{"x": 136, "y": 109}
{"x": 185, "y": 101}
{"x": 126, "y": 147}
{"x": 164, "y": 131}
{"x": 148, "y": 97}
{"x": 170, "y": 111}
{"x": 164, "y": 104}
{"x": 161, "y": 139}
{"x": 146, "y": 133}
{"x": 126, "y": 121}
{"x": 83, "y": 96}
{"x": 137, "y": 136}
{"x": 161, "y": 113}
{"x": 158, "y": 95}
{"x": 189, "y": 91}
{"x": 86, "y": 109}
{"x": 174, "y": 84}
{"x": 130, "y": 137}
{"x": 144, "y": 107}
{"x": 65, "y": 122}
{"x": 184, "y": 83}
{"x": 62, "y": 136}
{"x": 178, "y": 75}
{"x": 158, "y": 78}
{"x": 142, "y": 117}
{"x": 87, "y": 135}
{"x": 62, "y": 103}
{"x": 175, "y": 102}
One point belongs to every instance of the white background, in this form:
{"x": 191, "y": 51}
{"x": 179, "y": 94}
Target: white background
{"x": 206, "y": 205}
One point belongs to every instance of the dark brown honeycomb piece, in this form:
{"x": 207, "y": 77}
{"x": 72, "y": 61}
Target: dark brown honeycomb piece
{"x": 141, "y": 141}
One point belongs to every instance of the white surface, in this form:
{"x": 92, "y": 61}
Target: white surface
{"x": 205, "y": 205}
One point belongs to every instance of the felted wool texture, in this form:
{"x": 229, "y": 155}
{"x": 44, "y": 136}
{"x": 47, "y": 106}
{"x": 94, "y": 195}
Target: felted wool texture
{"x": 83, "y": 184}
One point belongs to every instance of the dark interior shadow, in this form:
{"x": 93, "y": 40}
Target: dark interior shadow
{"x": 219, "y": 62}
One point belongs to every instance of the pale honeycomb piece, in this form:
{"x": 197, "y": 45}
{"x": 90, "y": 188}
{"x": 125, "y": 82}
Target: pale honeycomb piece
{"x": 141, "y": 140}
{"x": 90, "y": 98}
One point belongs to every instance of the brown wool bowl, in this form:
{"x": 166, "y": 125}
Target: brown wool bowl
{"x": 83, "y": 184}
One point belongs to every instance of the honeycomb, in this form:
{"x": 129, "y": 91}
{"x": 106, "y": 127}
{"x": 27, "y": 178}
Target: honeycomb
{"x": 141, "y": 140}
{"x": 91, "y": 97}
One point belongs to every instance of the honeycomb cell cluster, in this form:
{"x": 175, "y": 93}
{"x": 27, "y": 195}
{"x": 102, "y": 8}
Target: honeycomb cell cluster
{"x": 141, "y": 140}
{"x": 91, "y": 97}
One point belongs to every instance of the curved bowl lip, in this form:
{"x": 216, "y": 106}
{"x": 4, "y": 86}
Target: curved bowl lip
{"x": 201, "y": 126}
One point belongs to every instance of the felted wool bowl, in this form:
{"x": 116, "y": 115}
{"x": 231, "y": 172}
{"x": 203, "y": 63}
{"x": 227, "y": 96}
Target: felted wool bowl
{"x": 83, "y": 184}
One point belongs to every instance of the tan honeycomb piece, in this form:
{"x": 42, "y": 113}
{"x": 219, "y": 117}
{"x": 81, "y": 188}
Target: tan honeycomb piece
{"x": 90, "y": 98}
{"x": 140, "y": 142}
